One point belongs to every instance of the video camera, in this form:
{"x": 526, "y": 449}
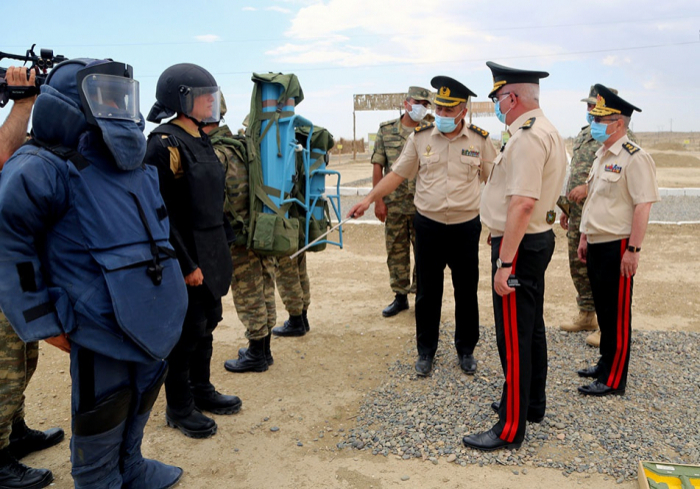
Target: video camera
{"x": 41, "y": 64}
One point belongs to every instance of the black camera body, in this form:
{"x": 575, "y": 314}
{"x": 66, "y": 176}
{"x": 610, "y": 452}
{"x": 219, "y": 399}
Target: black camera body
{"x": 41, "y": 64}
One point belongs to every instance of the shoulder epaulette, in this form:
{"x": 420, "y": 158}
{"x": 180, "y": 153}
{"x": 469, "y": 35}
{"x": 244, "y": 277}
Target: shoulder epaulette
{"x": 483, "y": 133}
{"x": 424, "y": 125}
{"x": 630, "y": 148}
{"x": 528, "y": 123}
{"x": 387, "y": 123}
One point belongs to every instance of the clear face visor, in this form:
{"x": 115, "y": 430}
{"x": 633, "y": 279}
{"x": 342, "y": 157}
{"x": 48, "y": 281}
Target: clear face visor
{"x": 201, "y": 103}
{"x": 112, "y": 97}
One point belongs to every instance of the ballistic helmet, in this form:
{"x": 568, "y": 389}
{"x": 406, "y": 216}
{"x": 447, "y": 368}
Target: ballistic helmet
{"x": 187, "y": 89}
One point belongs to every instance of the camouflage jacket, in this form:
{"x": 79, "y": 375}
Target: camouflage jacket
{"x": 390, "y": 141}
{"x": 582, "y": 159}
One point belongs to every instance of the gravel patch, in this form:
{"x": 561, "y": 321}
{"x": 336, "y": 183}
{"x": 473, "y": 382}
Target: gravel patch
{"x": 658, "y": 419}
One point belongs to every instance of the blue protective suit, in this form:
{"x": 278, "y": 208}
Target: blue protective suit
{"x": 77, "y": 239}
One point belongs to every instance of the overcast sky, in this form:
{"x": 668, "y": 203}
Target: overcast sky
{"x": 648, "y": 50}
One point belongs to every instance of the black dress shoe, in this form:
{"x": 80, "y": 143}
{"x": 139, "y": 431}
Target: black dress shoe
{"x": 424, "y": 366}
{"x": 217, "y": 403}
{"x": 597, "y": 388}
{"x": 24, "y": 440}
{"x": 194, "y": 425}
{"x": 468, "y": 364}
{"x": 16, "y": 475}
{"x": 495, "y": 406}
{"x": 488, "y": 441}
{"x": 589, "y": 372}
{"x": 400, "y": 304}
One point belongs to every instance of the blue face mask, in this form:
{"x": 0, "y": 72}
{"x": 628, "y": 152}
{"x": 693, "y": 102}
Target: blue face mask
{"x": 598, "y": 131}
{"x": 500, "y": 115}
{"x": 589, "y": 118}
{"x": 445, "y": 124}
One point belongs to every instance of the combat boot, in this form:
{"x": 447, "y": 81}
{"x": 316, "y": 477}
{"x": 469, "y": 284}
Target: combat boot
{"x": 24, "y": 440}
{"x": 294, "y": 326}
{"x": 400, "y": 304}
{"x": 593, "y": 339}
{"x": 194, "y": 425}
{"x": 213, "y": 401}
{"x": 268, "y": 351}
{"x": 306, "y": 320}
{"x": 16, "y": 475}
{"x": 253, "y": 360}
{"x": 585, "y": 321}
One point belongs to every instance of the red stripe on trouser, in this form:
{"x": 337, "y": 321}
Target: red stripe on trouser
{"x": 623, "y": 306}
{"x": 510, "y": 320}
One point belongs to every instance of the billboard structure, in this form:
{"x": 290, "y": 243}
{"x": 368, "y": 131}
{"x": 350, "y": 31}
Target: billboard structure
{"x": 394, "y": 101}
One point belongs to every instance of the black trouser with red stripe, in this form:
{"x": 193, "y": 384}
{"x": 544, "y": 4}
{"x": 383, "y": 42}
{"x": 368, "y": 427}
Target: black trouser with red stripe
{"x": 520, "y": 335}
{"x": 456, "y": 246}
{"x": 612, "y": 295}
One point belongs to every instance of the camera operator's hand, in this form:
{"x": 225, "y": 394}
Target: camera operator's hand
{"x": 16, "y": 76}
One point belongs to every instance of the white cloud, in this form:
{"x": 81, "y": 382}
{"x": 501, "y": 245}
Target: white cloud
{"x": 279, "y": 9}
{"x": 610, "y": 60}
{"x": 249, "y": 9}
{"x": 208, "y": 38}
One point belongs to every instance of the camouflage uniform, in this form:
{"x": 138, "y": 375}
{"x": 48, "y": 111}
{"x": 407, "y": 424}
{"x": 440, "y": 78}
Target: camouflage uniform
{"x": 582, "y": 159}
{"x": 17, "y": 365}
{"x": 253, "y": 281}
{"x": 293, "y": 284}
{"x": 399, "y": 233}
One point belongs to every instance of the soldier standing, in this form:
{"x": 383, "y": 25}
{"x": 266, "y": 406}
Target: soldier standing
{"x": 584, "y": 151}
{"x": 397, "y": 209}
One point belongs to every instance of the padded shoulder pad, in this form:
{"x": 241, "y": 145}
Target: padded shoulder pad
{"x": 630, "y": 148}
{"x": 424, "y": 125}
{"x": 528, "y": 123}
{"x": 481, "y": 132}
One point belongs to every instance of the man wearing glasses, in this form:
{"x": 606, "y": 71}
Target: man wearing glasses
{"x": 518, "y": 207}
{"x": 621, "y": 189}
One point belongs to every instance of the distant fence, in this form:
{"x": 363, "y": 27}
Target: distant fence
{"x": 345, "y": 146}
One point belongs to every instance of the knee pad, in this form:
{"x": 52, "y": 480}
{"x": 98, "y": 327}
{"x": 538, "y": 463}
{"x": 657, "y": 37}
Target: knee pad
{"x": 148, "y": 398}
{"x": 105, "y": 416}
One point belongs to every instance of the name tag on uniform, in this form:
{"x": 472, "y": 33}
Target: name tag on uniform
{"x": 471, "y": 152}
{"x": 613, "y": 168}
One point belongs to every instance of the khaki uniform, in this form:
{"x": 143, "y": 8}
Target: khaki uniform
{"x": 448, "y": 174}
{"x": 253, "y": 281}
{"x": 293, "y": 284}
{"x": 17, "y": 365}
{"x": 398, "y": 227}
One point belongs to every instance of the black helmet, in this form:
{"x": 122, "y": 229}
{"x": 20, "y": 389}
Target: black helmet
{"x": 179, "y": 90}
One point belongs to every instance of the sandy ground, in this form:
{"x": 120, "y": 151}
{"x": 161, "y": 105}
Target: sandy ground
{"x": 313, "y": 391}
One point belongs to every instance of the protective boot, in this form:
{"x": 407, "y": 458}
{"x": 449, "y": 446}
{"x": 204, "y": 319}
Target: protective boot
{"x": 24, "y": 440}
{"x": 195, "y": 424}
{"x": 400, "y": 304}
{"x": 253, "y": 360}
{"x": 205, "y": 396}
{"x": 306, "y": 320}
{"x": 16, "y": 475}
{"x": 268, "y": 351}
{"x": 294, "y": 326}
{"x": 96, "y": 443}
{"x": 593, "y": 339}
{"x": 585, "y": 321}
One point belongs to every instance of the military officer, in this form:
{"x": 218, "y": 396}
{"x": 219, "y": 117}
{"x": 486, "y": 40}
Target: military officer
{"x": 449, "y": 159}
{"x": 622, "y": 188}
{"x": 397, "y": 209}
{"x": 518, "y": 207}
{"x": 582, "y": 158}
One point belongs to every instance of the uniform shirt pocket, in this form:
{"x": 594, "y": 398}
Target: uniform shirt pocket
{"x": 430, "y": 168}
{"x": 609, "y": 182}
{"x": 468, "y": 167}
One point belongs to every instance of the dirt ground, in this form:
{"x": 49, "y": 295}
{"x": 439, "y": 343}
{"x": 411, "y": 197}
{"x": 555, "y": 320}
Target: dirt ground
{"x": 313, "y": 391}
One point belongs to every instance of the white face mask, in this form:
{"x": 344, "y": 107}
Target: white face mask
{"x": 417, "y": 112}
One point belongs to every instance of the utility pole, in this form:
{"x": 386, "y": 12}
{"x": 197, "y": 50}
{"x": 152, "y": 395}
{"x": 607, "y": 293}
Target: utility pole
{"x": 671, "y": 125}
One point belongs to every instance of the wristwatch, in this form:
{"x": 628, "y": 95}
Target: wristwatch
{"x": 501, "y": 264}
{"x": 633, "y": 249}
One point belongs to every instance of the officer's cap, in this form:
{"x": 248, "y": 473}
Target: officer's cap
{"x": 608, "y": 103}
{"x": 502, "y": 75}
{"x": 593, "y": 95}
{"x": 450, "y": 92}
{"x": 419, "y": 93}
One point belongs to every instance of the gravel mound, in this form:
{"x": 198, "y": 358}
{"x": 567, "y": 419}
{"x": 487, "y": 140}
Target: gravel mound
{"x": 658, "y": 418}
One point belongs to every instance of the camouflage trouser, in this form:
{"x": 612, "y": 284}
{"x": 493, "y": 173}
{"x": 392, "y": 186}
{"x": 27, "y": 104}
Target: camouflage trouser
{"x": 17, "y": 364}
{"x": 400, "y": 237}
{"x": 253, "y": 290}
{"x": 293, "y": 284}
{"x": 578, "y": 269}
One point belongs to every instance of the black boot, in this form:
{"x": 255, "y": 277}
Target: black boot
{"x": 24, "y": 441}
{"x": 268, "y": 351}
{"x": 194, "y": 425}
{"x": 306, "y": 320}
{"x": 294, "y": 326}
{"x": 400, "y": 304}
{"x": 253, "y": 360}
{"x": 213, "y": 401}
{"x": 16, "y": 475}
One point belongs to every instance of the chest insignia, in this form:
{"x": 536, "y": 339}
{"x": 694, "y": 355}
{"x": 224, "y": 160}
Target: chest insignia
{"x": 427, "y": 151}
{"x": 613, "y": 168}
{"x": 471, "y": 152}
